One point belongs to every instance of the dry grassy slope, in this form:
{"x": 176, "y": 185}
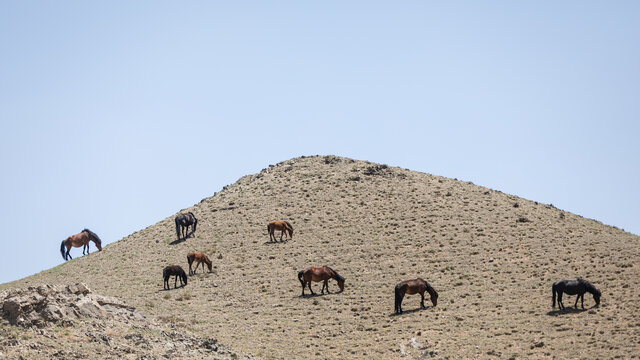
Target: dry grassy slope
{"x": 493, "y": 273}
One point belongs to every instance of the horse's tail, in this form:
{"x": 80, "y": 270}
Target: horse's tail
{"x": 553, "y": 291}
{"x": 289, "y": 229}
{"x": 397, "y": 291}
{"x": 178, "y": 227}
{"x": 62, "y": 249}
{"x": 300, "y": 274}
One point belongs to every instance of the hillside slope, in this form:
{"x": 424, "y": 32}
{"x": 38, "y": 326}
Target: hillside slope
{"x": 491, "y": 256}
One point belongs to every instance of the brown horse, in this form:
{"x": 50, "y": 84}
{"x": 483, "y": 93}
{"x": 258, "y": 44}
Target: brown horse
{"x": 198, "y": 258}
{"x": 174, "y": 270}
{"x": 411, "y": 287}
{"x": 279, "y": 225}
{"x": 319, "y": 274}
{"x": 77, "y": 240}
{"x": 183, "y": 221}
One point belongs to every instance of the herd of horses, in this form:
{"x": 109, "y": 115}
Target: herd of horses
{"x": 314, "y": 274}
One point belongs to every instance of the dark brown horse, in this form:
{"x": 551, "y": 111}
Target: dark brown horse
{"x": 183, "y": 221}
{"x": 198, "y": 258}
{"x": 77, "y": 240}
{"x": 174, "y": 270}
{"x": 279, "y": 225}
{"x": 318, "y": 274}
{"x": 411, "y": 287}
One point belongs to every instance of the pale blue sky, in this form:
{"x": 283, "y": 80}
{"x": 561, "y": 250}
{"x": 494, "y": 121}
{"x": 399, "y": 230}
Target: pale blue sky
{"x": 118, "y": 114}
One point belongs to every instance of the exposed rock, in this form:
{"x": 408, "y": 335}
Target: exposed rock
{"x": 105, "y": 326}
{"x": 51, "y": 304}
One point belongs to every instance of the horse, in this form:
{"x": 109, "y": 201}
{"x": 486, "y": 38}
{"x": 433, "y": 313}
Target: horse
{"x": 411, "y": 287}
{"x": 198, "y": 258}
{"x": 318, "y": 274}
{"x": 77, "y": 240}
{"x": 573, "y": 287}
{"x": 174, "y": 270}
{"x": 279, "y": 225}
{"x": 183, "y": 221}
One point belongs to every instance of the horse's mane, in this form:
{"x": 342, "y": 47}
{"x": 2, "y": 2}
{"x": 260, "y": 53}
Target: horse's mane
{"x": 338, "y": 276}
{"x": 430, "y": 288}
{"x": 589, "y": 286}
{"x": 94, "y": 235}
{"x": 290, "y": 226}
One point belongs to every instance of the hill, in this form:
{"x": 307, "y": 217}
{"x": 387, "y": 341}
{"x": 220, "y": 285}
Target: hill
{"x": 491, "y": 256}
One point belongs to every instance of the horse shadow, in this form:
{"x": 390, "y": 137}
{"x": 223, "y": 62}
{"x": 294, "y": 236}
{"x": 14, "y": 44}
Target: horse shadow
{"x": 309, "y": 296}
{"x": 568, "y": 311}
{"x": 274, "y": 242}
{"x": 404, "y": 312}
{"x": 175, "y": 242}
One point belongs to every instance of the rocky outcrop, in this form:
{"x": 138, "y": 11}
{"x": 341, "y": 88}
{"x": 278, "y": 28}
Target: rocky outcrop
{"x": 47, "y": 304}
{"x": 71, "y": 322}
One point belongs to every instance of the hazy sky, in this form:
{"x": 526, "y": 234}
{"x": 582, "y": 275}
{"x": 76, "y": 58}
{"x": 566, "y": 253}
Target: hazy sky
{"x": 118, "y": 114}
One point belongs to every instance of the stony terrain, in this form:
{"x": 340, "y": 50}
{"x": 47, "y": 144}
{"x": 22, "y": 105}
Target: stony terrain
{"x": 71, "y": 322}
{"x": 491, "y": 256}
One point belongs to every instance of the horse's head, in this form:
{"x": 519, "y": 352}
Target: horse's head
{"x": 434, "y": 298}
{"x": 340, "y": 281}
{"x": 209, "y": 265}
{"x": 596, "y": 296}
{"x": 99, "y": 246}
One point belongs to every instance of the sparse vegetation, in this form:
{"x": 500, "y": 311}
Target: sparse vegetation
{"x": 493, "y": 271}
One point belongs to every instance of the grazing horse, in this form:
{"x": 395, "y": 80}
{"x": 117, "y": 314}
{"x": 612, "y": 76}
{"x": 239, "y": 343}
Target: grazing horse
{"x": 174, "y": 270}
{"x": 77, "y": 240}
{"x": 411, "y": 287}
{"x": 279, "y": 225}
{"x": 573, "y": 287}
{"x": 183, "y": 221}
{"x": 319, "y": 274}
{"x": 198, "y": 258}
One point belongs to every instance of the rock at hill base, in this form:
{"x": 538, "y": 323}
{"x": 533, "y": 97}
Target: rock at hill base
{"x": 46, "y": 304}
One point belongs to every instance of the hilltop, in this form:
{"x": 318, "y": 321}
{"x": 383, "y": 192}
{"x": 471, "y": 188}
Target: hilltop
{"x": 491, "y": 256}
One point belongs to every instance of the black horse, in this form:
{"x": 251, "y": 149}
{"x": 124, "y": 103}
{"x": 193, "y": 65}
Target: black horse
{"x": 174, "y": 270}
{"x": 183, "y": 221}
{"x": 573, "y": 287}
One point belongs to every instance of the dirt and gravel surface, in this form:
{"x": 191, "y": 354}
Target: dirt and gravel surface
{"x": 491, "y": 256}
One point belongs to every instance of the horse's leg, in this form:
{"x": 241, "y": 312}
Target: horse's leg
{"x": 326, "y": 284}
{"x": 175, "y": 281}
{"x": 577, "y": 298}
{"x": 560, "y": 304}
{"x": 310, "y": 289}
{"x": 303, "y": 285}
{"x": 582, "y": 300}
{"x": 281, "y": 232}
{"x": 68, "y": 254}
